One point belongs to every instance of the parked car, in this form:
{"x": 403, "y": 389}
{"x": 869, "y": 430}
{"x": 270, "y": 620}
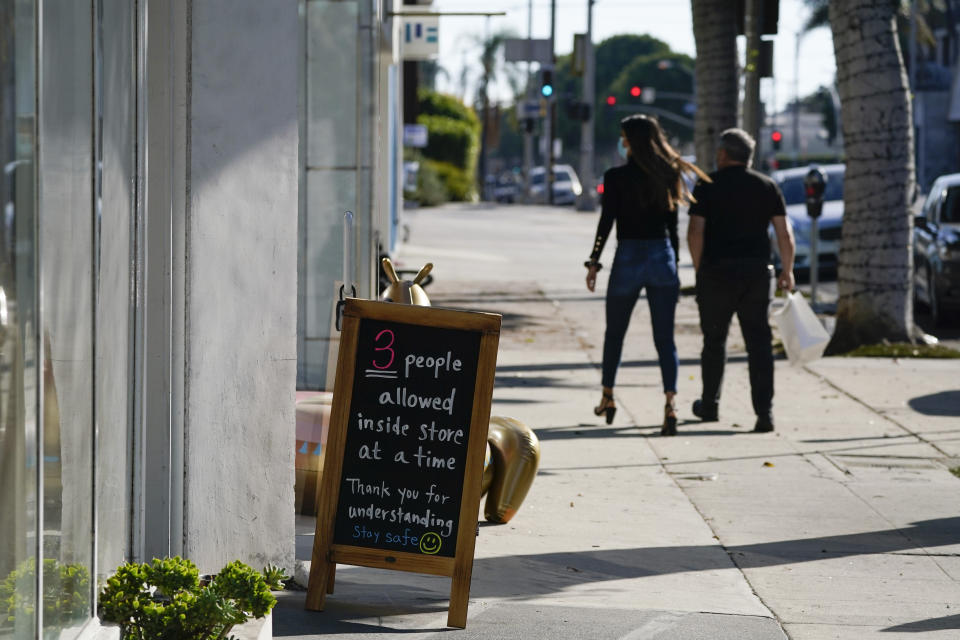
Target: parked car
{"x": 829, "y": 223}
{"x": 507, "y": 189}
{"x": 566, "y": 184}
{"x": 936, "y": 249}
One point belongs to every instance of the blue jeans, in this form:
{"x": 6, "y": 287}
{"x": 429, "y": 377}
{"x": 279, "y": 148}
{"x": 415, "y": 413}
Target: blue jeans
{"x": 639, "y": 264}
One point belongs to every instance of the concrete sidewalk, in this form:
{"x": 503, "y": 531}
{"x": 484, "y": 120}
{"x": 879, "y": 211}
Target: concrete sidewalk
{"x": 842, "y": 523}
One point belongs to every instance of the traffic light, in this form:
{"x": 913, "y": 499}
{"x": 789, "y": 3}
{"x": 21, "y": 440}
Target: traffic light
{"x": 546, "y": 83}
{"x": 636, "y": 91}
{"x": 776, "y": 138}
{"x": 611, "y": 105}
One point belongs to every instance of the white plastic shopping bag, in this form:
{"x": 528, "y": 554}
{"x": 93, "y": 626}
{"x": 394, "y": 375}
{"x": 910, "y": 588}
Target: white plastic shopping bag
{"x": 804, "y": 338}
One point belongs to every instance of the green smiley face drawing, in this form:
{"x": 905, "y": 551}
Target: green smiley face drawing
{"x": 430, "y": 543}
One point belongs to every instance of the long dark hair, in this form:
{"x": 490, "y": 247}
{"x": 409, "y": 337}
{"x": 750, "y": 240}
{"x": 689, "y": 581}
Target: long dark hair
{"x": 662, "y": 166}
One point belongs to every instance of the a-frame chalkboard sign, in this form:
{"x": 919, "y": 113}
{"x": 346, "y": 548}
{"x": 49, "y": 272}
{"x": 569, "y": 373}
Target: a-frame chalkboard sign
{"x": 404, "y": 456}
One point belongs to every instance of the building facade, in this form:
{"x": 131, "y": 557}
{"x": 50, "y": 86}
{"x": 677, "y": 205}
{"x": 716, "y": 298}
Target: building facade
{"x": 149, "y": 288}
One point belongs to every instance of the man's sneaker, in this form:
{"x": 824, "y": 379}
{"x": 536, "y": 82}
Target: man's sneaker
{"x": 764, "y": 424}
{"x": 706, "y": 412}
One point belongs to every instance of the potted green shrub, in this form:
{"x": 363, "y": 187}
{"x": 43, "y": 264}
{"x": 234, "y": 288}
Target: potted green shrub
{"x": 167, "y": 600}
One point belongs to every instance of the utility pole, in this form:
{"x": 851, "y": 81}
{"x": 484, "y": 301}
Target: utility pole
{"x": 586, "y": 202}
{"x": 753, "y": 21}
{"x": 527, "y": 128}
{"x": 918, "y": 120}
{"x": 486, "y": 193}
{"x": 796, "y": 98}
{"x": 551, "y": 104}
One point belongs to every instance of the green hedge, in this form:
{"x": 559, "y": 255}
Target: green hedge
{"x": 431, "y": 189}
{"x": 438, "y": 104}
{"x": 458, "y": 182}
{"x": 453, "y": 144}
{"x": 448, "y": 140}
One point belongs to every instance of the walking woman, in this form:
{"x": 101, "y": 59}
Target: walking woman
{"x": 642, "y": 197}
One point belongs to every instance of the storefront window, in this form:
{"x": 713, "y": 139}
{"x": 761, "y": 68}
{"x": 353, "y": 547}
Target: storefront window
{"x": 18, "y": 322}
{"x": 66, "y": 230}
{"x": 116, "y": 104}
{"x": 65, "y": 315}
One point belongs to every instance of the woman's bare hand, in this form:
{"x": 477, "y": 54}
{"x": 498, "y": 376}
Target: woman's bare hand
{"x": 591, "y": 278}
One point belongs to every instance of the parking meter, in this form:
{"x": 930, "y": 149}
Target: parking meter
{"x": 814, "y": 184}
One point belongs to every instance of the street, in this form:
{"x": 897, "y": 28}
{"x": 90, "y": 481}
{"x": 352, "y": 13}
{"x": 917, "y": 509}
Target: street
{"x": 840, "y": 524}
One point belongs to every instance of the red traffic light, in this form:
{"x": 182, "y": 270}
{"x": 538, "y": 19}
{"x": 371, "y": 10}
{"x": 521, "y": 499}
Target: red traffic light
{"x": 636, "y": 91}
{"x": 600, "y": 188}
{"x": 611, "y": 100}
{"x": 776, "y": 136}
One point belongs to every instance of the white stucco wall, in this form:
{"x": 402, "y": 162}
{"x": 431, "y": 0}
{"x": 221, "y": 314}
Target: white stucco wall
{"x": 241, "y": 283}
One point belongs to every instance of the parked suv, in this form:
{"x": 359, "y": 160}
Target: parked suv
{"x": 936, "y": 249}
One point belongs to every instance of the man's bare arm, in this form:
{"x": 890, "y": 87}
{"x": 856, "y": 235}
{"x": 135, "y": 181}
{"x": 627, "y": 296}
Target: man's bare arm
{"x": 695, "y": 239}
{"x": 788, "y": 249}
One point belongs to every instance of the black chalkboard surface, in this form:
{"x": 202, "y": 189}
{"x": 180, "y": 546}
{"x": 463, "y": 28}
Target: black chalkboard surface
{"x": 404, "y": 456}
{"x": 407, "y": 437}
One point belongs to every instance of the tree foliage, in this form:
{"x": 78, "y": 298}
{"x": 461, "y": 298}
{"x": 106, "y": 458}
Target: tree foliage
{"x": 622, "y": 61}
{"x": 615, "y": 53}
{"x": 668, "y": 74}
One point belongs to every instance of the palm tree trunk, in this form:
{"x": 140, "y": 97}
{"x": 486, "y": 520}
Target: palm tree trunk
{"x": 715, "y": 32}
{"x": 875, "y": 261}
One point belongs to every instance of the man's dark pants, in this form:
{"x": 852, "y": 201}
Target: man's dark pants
{"x": 725, "y": 288}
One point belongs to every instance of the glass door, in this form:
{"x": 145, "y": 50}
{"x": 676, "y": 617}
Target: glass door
{"x": 19, "y": 373}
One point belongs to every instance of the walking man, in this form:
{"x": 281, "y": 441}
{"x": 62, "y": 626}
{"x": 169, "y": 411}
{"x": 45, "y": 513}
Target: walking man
{"x": 730, "y": 247}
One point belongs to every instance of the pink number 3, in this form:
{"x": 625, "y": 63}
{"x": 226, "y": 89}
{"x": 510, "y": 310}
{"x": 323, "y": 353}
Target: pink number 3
{"x": 388, "y": 334}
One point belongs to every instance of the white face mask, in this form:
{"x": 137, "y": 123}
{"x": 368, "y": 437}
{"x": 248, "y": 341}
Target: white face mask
{"x": 622, "y": 150}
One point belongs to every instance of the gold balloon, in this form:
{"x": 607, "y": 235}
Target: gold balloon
{"x": 405, "y": 291}
{"x": 516, "y": 455}
{"x": 488, "y": 471}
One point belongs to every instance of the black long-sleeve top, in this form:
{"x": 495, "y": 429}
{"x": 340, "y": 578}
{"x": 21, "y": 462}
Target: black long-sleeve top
{"x": 623, "y": 201}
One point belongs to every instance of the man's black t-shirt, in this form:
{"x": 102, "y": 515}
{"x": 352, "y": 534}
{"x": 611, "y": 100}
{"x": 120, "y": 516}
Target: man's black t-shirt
{"x": 737, "y": 206}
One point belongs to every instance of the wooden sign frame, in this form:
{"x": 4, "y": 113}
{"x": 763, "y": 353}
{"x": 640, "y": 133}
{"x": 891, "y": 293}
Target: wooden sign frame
{"x": 326, "y": 554}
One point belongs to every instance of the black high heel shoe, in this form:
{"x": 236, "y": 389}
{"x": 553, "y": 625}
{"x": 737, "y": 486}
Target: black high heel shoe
{"x": 669, "y": 421}
{"x": 607, "y": 407}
